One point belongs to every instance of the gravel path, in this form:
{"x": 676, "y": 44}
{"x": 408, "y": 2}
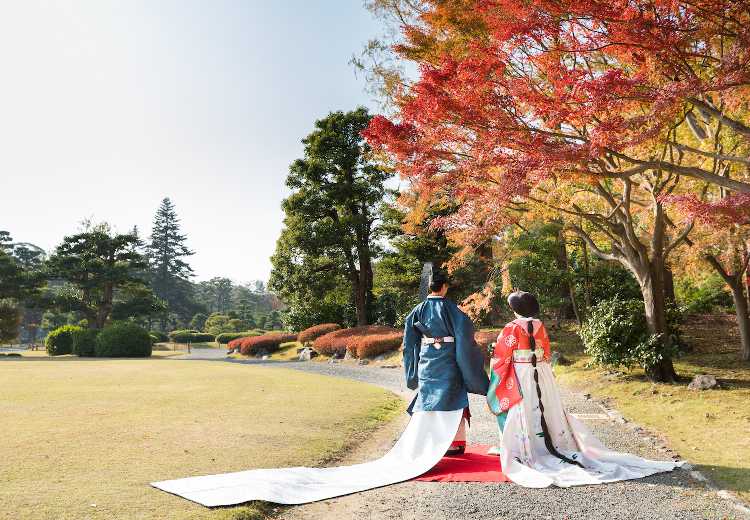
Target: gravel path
{"x": 675, "y": 495}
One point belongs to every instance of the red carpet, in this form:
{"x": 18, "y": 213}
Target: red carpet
{"x": 473, "y": 466}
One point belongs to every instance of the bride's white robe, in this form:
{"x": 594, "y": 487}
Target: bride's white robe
{"x": 524, "y": 456}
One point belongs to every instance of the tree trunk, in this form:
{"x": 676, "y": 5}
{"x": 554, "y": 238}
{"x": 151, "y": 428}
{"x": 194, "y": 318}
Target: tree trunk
{"x": 669, "y": 295}
{"x": 586, "y": 279}
{"x": 652, "y": 288}
{"x": 735, "y": 281}
{"x": 743, "y": 320}
{"x": 567, "y": 309}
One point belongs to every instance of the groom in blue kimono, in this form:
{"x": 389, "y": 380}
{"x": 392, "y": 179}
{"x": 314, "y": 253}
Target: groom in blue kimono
{"x": 441, "y": 359}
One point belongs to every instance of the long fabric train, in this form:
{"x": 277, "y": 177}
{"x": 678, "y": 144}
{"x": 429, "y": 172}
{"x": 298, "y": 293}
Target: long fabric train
{"x": 423, "y": 443}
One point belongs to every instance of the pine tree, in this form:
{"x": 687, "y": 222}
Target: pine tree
{"x": 166, "y": 251}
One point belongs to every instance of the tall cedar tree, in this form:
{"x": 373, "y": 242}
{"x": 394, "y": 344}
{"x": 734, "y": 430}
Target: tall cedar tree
{"x": 169, "y": 272}
{"x": 594, "y": 113}
{"x": 331, "y": 216}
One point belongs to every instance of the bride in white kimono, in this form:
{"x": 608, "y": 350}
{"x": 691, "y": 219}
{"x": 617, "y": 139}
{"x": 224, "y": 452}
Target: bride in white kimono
{"x": 541, "y": 444}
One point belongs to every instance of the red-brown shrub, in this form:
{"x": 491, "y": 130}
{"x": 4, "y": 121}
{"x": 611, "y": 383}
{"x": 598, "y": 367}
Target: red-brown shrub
{"x": 371, "y": 346}
{"x": 317, "y": 331}
{"x": 484, "y": 338}
{"x": 268, "y": 342}
{"x": 359, "y": 341}
{"x": 234, "y": 343}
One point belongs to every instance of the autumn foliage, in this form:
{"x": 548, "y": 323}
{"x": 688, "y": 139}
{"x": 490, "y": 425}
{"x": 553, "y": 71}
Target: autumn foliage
{"x": 313, "y": 333}
{"x": 360, "y": 342}
{"x": 625, "y": 120}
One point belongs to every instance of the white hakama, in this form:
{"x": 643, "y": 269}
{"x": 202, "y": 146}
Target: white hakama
{"x": 423, "y": 443}
{"x": 526, "y": 460}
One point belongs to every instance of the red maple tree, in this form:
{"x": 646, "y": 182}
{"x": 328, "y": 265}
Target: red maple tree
{"x": 609, "y": 113}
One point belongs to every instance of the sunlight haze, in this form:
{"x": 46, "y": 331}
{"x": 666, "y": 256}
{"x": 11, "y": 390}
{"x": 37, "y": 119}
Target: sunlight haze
{"x": 107, "y": 107}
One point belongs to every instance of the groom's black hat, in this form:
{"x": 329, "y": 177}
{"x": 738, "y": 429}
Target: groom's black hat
{"x": 524, "y": 304}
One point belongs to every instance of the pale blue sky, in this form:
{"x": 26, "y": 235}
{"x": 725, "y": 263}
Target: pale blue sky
{"x": 106, "y": 107}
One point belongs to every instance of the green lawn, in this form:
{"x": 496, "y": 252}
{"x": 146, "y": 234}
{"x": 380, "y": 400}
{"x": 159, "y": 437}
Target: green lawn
{"x": 83, "y": 438}
{"x": 709, "y": 428}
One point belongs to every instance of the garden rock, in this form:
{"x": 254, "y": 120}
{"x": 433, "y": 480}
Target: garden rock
{"x": 703, "y": 382}
{"x": 306, "y": 354}
{"x": 363, "y": 362}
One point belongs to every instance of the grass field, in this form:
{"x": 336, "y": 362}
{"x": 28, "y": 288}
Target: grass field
{"x": 709, "y": 428}
{"x": 83, "y": 438}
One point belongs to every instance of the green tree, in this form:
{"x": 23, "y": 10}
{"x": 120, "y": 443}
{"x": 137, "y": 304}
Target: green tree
{"x": 169, "y": 272}
{"x": 216, "y": 294}
{"x": 96, "y": 264}
{"x": 331, "y": 218}
{"x": 199, "y": 321}
{"x": 413, "y": 241}
{"x": 220, "y": 323}
{"x": 21, "y": 279}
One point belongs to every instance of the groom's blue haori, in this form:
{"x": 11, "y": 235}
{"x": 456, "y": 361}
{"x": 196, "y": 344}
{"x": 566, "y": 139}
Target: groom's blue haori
{"x": 444, "y": 372}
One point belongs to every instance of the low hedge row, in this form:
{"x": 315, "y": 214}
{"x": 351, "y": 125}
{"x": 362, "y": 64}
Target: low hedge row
{"x": 225, "y": 337}
{"x": 267, "y": 342}
{"x": 361, "y": 342}
{"x": 315, "y": 332}
{"x": 190, "y": 336}
{"x": 120, "y": 339}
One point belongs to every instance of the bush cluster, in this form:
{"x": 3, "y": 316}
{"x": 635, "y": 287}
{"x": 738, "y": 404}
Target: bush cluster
{"x": 84, "y": 342}
{"x": 267, "y": 342}
{"x": 60, "y": 340}
{"x": 158, "y": 336}
{"x": 190, "y": 336}
{"x": 313, "y": 333}
{"x": 123, "y": 340}
{"x": 225, "y": 337}
{"x": 360, "y": 342}
{"x": 616, "y": 335}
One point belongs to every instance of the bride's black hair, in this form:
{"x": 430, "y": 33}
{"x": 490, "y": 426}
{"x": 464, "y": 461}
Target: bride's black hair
{"x": 545, "y": 429}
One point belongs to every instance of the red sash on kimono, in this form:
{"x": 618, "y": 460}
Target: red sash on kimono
{"x": 514, "y": 337}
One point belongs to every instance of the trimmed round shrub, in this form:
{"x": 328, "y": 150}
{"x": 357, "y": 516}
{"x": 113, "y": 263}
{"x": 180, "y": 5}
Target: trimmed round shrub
{"x": 190, "y": 336}
{"x": 616, "y": 335}
{"x": 225, "y": 337}
{"x": 84, "y": 342}
{"x": 313, "y": 333}
{"x": 60, "y": 340}
{"x": 123, "y": 340}
{"x": 267, "y": 342}
{"x": 361, "y": 342}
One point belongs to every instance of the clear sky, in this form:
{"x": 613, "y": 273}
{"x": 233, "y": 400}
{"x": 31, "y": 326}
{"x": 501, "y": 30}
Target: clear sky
{"x": 107, "y": 106}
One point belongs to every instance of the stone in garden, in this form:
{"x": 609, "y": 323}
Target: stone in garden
{"x": 703, "y": 382}
{"x": 363, "y": 362}
{"x": 307, "y": 354}
{"x": 266, "y": 357}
